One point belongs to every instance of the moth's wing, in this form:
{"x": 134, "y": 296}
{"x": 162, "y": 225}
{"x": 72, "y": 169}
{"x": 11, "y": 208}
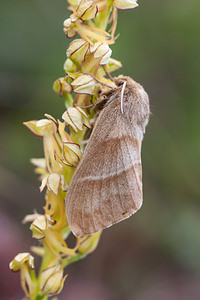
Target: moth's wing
{"x": 107, "y": 184}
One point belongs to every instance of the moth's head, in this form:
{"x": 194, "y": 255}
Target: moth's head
{"x": 135, "y": 101}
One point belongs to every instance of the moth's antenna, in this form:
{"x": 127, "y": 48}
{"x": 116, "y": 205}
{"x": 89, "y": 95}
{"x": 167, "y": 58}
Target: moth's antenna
{"x": 122, "y": 96}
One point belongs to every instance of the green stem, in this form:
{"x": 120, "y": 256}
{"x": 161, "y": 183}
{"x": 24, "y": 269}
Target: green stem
{"x": 46, "y": 259}
{"x": 40, "y": 297}
{"x": 68, "y": 100}
{"x": 68, "y": 261}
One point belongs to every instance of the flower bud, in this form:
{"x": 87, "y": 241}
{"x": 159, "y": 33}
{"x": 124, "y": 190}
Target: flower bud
{"x": 83, "y": 84}
{"x": 68, "y": 28}
{"x": 89, "y": 244}
{"x": 52, "y": 280}
{"x": 77, "y": 50}
{"x": 73, "y": 118}
{"x": 69, "y": 66}
{"x": 71, "y": 153}
{"x": 101, "y": 50}
{"x": 86, "y": 10}
{"x": 61, "y": 86}
{"x": 125, "y": 4}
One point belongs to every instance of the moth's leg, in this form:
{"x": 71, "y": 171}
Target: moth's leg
{"x": 100, "y": 103}
{"x": 102, "y": 99}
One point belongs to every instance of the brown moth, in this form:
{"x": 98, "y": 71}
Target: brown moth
{"x": 106, "y": 187}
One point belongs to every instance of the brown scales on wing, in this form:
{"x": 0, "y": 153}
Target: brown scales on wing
{"x": 107, "y": 184}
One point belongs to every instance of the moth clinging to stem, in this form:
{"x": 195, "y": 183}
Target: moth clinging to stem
{"x": 106, "y": 187}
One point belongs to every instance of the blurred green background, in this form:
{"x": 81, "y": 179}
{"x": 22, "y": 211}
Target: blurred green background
{"x": 156, "y": 253}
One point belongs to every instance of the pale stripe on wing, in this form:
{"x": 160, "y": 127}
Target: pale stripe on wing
{"x": 110, "y": 174}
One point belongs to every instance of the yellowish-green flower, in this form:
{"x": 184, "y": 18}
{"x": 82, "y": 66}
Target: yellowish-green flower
{"x": 44, "y": 227}
{"x": 40, "y": 225}
{"x": 69, "y": 66}
{"x": 24, "y": 262}
{"x": 47, "y": 128}
{"x": 71, "y": 153}
{"x": 89, "y": 244}
{"x": 86, "y": 32}
{"x": 54, "y": 182}
{"x": 20, "y": 259}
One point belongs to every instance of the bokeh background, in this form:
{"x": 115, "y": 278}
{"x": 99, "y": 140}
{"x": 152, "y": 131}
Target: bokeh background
{"x": 156, "y": 253}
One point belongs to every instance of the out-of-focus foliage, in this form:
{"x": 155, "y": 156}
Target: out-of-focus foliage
{"x": 156, "y": 253}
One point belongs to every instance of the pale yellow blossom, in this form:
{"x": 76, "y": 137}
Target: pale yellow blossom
{"x": 52, "y": 280}
{"x": 20, "y": 259}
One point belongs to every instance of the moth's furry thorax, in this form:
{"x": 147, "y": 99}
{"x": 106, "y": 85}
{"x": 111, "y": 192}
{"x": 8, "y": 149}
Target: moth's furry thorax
{"x": 135, "y": 101}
